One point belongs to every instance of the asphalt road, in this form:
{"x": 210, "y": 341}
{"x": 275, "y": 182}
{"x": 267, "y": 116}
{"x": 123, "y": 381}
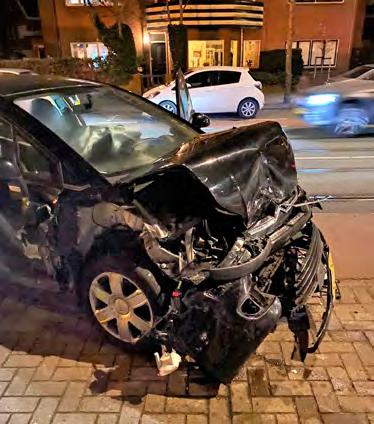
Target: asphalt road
{"x": 338, "y": 167}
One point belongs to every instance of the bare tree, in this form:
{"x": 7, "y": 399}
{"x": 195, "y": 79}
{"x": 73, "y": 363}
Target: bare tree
{"x": 115, "y": 7}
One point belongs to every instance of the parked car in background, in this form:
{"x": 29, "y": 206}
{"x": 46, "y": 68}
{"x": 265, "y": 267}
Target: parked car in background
{"x": 344, "y": 107}
{"x": 217, "y": 89}
{"x": 16, "y": 71}
{"x": 360, "y": 72}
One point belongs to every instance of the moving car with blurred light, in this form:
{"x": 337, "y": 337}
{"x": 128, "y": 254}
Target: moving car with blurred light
{"x": 345, "y": 107}
{"x": 215, "y": 89}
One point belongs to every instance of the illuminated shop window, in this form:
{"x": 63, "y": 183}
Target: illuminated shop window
{"x": 320, "y": 53}
{"x": 88, "y": 50}
{"x": 205, "y": 53}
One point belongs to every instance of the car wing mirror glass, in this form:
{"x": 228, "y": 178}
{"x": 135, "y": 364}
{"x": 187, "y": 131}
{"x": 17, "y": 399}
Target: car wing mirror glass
{"x": 200, "y": 120}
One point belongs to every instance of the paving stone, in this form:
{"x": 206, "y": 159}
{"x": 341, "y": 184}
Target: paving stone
{"x": 323, "y": 360}
{"x": 19, "y": 419}
{"x": 72, "y": 396}
{"x": 365, "y": 352}
{"x": 160, "y": 419}
{"x": 74, "y": 419}
{"x": 240, "y": 401}
{"x": 45, "y": 410}
{"x": 254, "y": 419}
{"x": 198, "y": 419}
{"x": 258, "y": 383}
{"x": 154, "y": 403}
{"x": 72, "y": 374}
{"x": 6, "y": 374}
{"x": 46, "y": 388}
{"x": 187, "y": 406}
{"x": 107, "y": 419}
{"x": 291, "y": 388}
{"x": 146, "y": 374}
{"x": 340, "y": 381}
{"x": 99, "y": 404}
{"x": 364, "y": 388}
{"x": 308, "y": 373}
{"x": 337, "y": 347}
{"x": 19, "y": 383}
{"x": 4, "y": 418}
{"x": 131, "y": 413}
{"x": 287, "y": 419}
{"x": 46, "y": 368}
{"x": 219, "y": 412}
{"x": 23, "y": 361}
{"x": 356, "y": 404}
{"x": 18, "y": 404}
{"x": 306, "y": 406}
{"x": 353, "y": 366}
{"x": 347, "y": 336}
{"x": 344, "y": 419}
{"x": 273, "y": 405}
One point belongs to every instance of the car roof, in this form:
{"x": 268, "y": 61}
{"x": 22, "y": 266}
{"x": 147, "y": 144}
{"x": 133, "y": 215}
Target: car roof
{"x": 12, "y": 85}
{"x": 221, "y": 68}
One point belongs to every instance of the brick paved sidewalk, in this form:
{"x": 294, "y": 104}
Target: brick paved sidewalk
{"x": 54, "y": 368}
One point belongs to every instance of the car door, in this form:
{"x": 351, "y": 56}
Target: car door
{"x": 200, "y": 87}
{"x": 226, "y": 91}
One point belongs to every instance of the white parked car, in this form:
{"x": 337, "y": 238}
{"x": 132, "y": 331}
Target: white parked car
{"x": 215, "y": 89}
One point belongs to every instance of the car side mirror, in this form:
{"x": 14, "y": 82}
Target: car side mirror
{"x": 200, "y": 120}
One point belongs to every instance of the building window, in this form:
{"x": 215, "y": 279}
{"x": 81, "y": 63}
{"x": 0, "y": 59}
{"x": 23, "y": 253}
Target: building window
{"x": 319, "y": 1}
{"x": 88, "y": 50}
{"x": 251, "y": 54}
{"x": 84, "y": 3}
{"x": 234, "y": 53}
{"x": 205, "y": 53}
{"x": 318, "y": 53}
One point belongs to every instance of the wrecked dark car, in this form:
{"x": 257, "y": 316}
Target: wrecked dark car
{"x": 199, "y": 242}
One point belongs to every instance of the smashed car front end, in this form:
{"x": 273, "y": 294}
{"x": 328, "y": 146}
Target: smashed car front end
{"x": 231, "y": 229}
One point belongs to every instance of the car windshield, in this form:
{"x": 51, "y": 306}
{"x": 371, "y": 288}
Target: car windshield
{"x": 113, "y": 130}
{"x": 357, "y": 72}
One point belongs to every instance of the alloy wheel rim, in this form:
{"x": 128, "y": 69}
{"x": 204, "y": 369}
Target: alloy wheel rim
{"x": 169, "y": 107}
{"x": 351, "y": 125}
{"x": 120, "y": 307}
{"x": 248, "y": 109}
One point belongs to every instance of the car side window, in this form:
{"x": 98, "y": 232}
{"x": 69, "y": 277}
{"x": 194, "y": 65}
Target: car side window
{"x": 369, "y": 76}
{"x": 201, "y": 79}
{"x": 227, "y": 77}
{"x": 34, "y": 164}
{"x": 5, "y": 130}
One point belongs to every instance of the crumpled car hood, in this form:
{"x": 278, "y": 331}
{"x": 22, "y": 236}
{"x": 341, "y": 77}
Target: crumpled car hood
{"x": 243, "y": 168}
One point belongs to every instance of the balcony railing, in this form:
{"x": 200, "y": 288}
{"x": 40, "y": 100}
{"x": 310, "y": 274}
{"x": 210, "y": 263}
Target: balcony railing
{"x": 243, "y": 13}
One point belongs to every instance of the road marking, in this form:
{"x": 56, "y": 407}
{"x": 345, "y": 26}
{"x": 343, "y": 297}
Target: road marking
{"x": 333, "y": 157}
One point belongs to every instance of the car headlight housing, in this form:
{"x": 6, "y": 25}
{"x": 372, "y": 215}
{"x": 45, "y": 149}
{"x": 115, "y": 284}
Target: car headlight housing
{"x": 151, "y": 95}
{"x": 321, "y": 99}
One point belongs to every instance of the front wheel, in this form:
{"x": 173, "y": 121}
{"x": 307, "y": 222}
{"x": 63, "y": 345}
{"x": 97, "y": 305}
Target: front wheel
{"x": 121, "y": 299}
{"x": 248, "y": 108}
{"x": 351, "y": 121}
{"x": 169, "y": 106}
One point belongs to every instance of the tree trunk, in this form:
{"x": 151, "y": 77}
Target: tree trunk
{"x": 288, "y": 81}
{"x": 181, "y": 12}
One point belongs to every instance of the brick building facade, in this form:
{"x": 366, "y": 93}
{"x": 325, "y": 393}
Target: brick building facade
{"x": 231, "y": 32}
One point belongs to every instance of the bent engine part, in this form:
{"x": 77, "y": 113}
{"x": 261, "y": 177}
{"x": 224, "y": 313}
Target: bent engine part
{"x": 216, "y": 334}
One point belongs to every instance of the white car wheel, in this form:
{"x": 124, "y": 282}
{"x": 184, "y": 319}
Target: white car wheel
{"x": 169, "y": 106}
{"x": 248, "y": 108}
